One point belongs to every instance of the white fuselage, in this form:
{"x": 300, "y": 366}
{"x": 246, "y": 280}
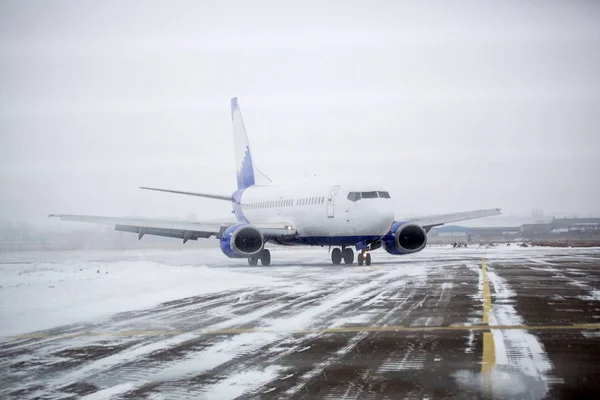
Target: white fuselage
{"x": 318, "y": 210}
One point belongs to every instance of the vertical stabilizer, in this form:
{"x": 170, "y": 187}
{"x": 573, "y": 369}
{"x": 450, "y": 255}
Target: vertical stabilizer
{"x": 247, "y": 173}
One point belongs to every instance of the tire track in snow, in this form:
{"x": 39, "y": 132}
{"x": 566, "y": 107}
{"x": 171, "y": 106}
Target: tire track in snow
{"x": 391, "y": 317}
{"x": 108, "y": 370}
{"x": 246, "y": 350}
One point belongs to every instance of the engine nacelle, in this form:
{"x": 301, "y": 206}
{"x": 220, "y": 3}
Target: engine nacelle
{"x": 405, "y": 238}
{"x": 241, "y": 241}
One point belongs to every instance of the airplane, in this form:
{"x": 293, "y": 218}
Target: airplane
{"x": 339, "y": 215}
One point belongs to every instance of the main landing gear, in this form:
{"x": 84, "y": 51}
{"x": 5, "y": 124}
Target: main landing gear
{"x": 264, "y": 256}
{"x": 347, "y": 254}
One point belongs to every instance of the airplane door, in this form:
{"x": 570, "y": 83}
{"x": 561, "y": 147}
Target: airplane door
{"x": 331, "y": 200}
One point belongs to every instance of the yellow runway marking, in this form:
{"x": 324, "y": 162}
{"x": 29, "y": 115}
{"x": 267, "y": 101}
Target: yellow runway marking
{"x": 487, "y": 299}
{"x": 352, "y": 329}
{"x": 488, "y": 357}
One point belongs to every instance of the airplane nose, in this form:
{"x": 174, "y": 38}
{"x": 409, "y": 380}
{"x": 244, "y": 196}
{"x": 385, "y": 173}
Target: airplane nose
{"x": 387, "y": 219}
{"x": 382, "y": 218}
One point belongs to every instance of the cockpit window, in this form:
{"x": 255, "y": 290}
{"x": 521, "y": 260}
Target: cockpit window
{"x": 369, "y": 195}
{"x": 355, "y": 196}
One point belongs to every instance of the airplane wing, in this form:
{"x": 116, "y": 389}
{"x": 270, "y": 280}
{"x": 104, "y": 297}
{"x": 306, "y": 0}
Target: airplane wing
{"x": 430, "y": 221}
{"x": 207, "y": 195}
{"x": 185, "y": 230}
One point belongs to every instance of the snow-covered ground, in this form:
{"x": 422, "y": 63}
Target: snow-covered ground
{"x": 43, "y": 294}
{"x": 41, "y": 290}
{"x": 300, "y": 292}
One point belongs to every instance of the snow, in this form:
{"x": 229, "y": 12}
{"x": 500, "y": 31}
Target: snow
{"x": 520, "y": 358}
{"x": 111, "y": 391}
{"x": 594, "y": 295}
{"x": 242, "y": 382}
{"x": 42, "y": 295}
{"x": 41, "y": 291}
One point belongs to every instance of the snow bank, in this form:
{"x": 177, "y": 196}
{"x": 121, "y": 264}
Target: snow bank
{"x": 44, "y": 295}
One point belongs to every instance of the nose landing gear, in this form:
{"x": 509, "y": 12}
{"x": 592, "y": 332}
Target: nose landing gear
{"x": 365, "y": 258}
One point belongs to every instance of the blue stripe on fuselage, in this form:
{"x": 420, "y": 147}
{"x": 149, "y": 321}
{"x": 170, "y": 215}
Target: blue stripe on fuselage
{"x": 328, "y": 240}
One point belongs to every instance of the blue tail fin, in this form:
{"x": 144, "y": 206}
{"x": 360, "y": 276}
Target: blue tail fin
{"x": 247, "y": 173}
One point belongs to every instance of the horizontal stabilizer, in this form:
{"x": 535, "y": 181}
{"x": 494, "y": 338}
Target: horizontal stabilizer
{"x": 207, "y": 195}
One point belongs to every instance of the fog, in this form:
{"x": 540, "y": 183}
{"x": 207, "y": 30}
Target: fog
{"x": 451, "y": 105}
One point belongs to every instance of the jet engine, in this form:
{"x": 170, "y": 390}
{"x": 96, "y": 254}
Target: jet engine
{"x": 241, "y": 241}
{"x": 405, "y": 238}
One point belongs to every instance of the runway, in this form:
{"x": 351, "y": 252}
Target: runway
{"x": 441, "y": 324}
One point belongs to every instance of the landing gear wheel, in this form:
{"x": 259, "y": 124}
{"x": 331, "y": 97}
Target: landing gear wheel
{"x": 336, "y": 256}
{"x": 253, "y": 260}
{"x": 265, "y": 257}
{"x": 364, "y": 258}
{"x": 348, "y": 255}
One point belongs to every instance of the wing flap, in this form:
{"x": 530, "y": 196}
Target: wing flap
{"x": 174, "y": 233}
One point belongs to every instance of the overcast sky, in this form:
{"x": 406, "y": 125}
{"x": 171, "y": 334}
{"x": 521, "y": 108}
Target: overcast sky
{"x": 451, "y": 105}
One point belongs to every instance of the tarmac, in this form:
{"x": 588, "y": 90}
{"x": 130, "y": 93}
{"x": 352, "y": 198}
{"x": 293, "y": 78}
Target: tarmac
{"x": 442, "y": 324}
